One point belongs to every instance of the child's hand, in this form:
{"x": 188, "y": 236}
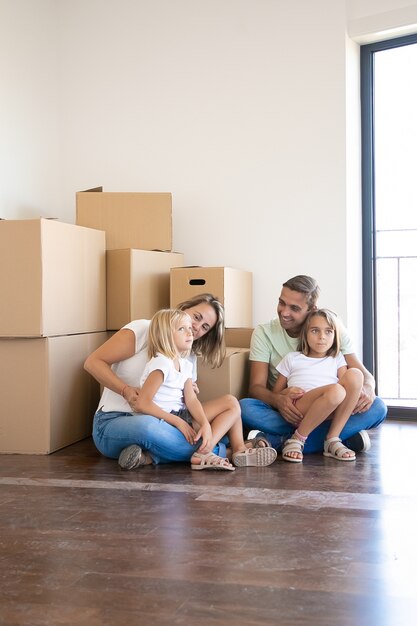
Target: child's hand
{"x": 204, "y": 433}
{"x": 187, "y": 431}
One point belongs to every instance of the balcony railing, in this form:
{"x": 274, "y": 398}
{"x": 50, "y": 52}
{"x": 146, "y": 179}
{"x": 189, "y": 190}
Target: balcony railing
{"x": 396, "y": 272}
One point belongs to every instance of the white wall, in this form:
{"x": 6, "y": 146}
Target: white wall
{"x": 29, "y": 127}
{"x": 239, "y": 108}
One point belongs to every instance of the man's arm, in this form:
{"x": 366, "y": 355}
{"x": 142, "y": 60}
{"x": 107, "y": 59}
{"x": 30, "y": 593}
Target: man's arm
{"x": 282, "y": 402}
{"x": 368, "y": 390}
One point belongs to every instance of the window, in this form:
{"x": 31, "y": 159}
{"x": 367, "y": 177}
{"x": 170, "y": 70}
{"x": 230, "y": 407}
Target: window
{"x": 389, "y": 201}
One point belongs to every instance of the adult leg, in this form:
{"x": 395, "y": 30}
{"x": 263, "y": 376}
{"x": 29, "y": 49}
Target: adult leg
{"x": 112, "y": 432}
{"x": 257, "y": 415}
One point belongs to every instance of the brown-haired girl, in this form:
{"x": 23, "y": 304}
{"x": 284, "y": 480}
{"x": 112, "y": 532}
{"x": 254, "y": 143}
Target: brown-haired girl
{"x": 326, "y": 389}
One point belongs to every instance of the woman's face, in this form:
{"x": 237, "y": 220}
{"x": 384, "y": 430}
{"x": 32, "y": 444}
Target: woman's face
{"x": 203, "y": 318}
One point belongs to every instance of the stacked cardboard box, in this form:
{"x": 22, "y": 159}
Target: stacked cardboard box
{"x": 52, "y": 315}
{"x": 139, "y": 255}
{"x": 65, "y": 287}
{"x": 233, "y": 287}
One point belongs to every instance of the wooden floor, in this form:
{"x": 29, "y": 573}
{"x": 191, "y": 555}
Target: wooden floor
{"x": 324, "y": 543}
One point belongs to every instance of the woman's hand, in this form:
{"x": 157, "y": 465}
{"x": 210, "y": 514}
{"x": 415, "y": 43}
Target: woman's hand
{"x": 131, "y": 395}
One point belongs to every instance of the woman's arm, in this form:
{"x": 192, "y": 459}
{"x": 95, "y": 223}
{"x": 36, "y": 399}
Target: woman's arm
{"x": 119, "y": 347}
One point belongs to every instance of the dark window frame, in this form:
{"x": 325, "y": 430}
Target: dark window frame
{"x": 367, "y": 54}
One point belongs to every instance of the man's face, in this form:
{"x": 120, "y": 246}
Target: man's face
{"x": 292, "y": 310}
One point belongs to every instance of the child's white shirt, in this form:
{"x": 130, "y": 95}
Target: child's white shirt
{"x": 309, "y": 373}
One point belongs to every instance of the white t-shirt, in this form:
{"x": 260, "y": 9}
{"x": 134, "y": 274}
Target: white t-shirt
{"x": 270, "y": 343}
{"x": 130, "y": 370}
{"x": 170, "y": 395}
{"x": 309, "y": 373}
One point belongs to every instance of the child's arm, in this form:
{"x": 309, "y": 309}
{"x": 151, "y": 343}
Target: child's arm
{"x": 147, "y": 406}
{"x": 281, "y": 387}
{"x": 341, "y": 371}
{"x": 196, "y": 410}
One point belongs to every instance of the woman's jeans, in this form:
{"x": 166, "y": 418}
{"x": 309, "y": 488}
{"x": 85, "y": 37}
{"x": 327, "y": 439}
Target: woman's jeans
{"x": 256, "y": 415}
{"x": 166, "y": 444}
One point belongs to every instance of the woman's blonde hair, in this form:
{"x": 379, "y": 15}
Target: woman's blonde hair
{"x": 160, "y": 335}
{"x": 331, "y": 320}
{"x": 211, "y": 347}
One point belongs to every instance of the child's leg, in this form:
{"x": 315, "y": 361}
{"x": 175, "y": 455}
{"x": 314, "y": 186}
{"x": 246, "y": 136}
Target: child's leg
{"x": 316, "y": 405}
{"x": 224, "y": 417}
{"x": 352, "y": 382}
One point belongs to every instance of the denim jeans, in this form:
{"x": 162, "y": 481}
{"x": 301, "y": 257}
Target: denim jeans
{"x": 256, "y": 415}
{"x": 166, "y": 444}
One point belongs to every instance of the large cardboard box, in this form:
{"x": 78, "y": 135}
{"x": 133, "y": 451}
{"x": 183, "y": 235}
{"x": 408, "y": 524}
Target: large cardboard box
{"x": 232, "y": 377}
{"x": 138, "y": 284}
{"x": 47, "y": 398}
{"x": 233, "y": 287}
{"x": 238, "y": 337}
{"x": 130, "y": 219}
{"x": 52, "y": 278}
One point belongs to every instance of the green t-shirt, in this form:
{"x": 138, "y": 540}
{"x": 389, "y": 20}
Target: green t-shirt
{"x": 270, "y": 343}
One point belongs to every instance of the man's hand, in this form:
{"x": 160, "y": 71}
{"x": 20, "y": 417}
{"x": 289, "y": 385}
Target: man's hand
{"x": 284, "y": 403}
{"x": 365, "y": 400}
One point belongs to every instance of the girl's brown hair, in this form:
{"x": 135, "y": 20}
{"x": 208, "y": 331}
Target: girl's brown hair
{"x": 331, "y": 320}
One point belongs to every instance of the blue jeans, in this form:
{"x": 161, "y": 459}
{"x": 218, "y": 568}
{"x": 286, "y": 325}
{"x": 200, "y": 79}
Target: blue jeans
{"x": 166, "y": 444}
{"x": 256, "y": 415}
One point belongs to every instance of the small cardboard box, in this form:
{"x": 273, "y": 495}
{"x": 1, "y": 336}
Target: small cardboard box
{"x": 131, "y": 220}
{"x": 238, "y": 337}
{"x": 137, "y": 284}
{"x": 231, "y": 377}
{"x": 233, "y": 287}
{"x": 48, "y": 399}
{"x": 52, "y": 278}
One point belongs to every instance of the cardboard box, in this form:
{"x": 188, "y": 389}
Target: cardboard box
{"x": 138, "y": 284}
{"x": 52, "y": 278}
{"x": 232, "y": 377}
{"x": 48, "y": 399}
{"x": 233, "y": 287}
{"x": 131, "y": 220}
{"x": 238, "y": 337}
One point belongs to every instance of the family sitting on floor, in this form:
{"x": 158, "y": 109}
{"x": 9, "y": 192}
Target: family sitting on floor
{"x": 308, "y": 390}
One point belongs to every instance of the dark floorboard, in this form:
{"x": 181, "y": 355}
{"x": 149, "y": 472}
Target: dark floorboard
{"x": 324, "y": 543}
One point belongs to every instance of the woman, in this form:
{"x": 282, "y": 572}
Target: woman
{"x": 118, "y": 365}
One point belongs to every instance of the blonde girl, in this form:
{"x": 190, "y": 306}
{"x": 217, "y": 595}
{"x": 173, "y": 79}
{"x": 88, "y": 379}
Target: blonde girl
{"x": 167, "y": 393}
{"x": 325, "y": 388}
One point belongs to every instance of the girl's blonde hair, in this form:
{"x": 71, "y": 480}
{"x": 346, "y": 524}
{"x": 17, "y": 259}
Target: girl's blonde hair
{"x": 211, "y": 347}
{"x": 331, "y": 320}
{"x": 160, "y": 335}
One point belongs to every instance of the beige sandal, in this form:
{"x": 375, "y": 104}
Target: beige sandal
{"x": 293, "y": 445}
{"x": 254, "y": 457}
{"x": 334, "y": 448}
{"x": 211, "y": 461}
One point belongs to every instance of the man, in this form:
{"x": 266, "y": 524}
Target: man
{"x": 275, "y": 413}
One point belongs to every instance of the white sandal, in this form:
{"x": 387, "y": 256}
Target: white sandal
{"x": 334, "y": 448}
{"x": 293, "y": 445}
